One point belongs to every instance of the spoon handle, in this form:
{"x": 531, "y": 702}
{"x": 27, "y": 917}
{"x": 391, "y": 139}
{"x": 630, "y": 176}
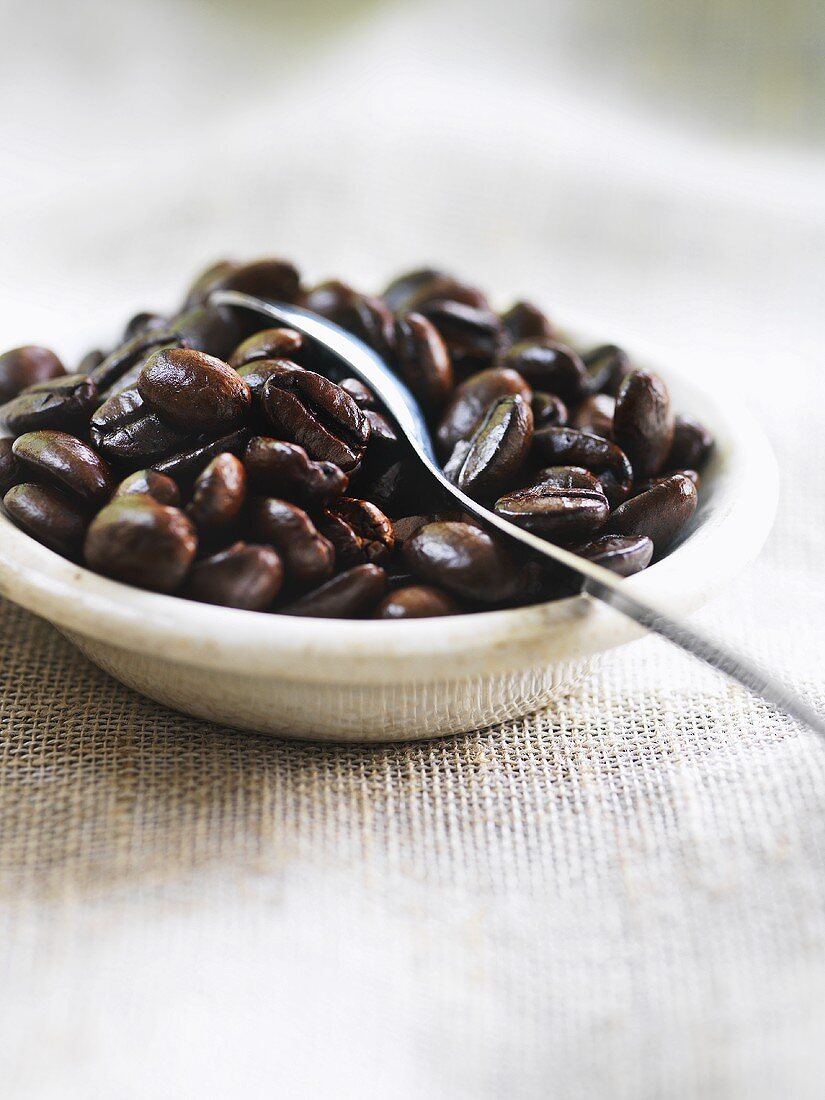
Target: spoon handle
{"x": 598, "y": 583}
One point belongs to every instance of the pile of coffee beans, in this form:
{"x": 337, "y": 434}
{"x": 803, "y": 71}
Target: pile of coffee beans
{"x": 208, "y": 457}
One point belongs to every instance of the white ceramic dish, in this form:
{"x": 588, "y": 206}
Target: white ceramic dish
{"x": 386, "y": 681}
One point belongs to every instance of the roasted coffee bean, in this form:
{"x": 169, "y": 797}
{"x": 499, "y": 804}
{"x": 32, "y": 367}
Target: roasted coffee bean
{"x": 61, "y": 403}
{"x": 133, "y": 351}
{"x": 368, "y": 318}
{"x": 568, "y": 477}
{"x": 407, "y": 526}
{"x": 271, "y": 279}
{"x": 242, "y": 576}
{"x": 524, "y": 321}
{"x": 444, "y": 288}
{"x": 463, "y": 559}
{"x": 206, "y": 281}
{"x": 347, "y": 596}
{"x": 194, "y": 392}
{"x": 23, "y": 367}
{"x": 124, "y": 429}
{"x": 146, "y": 321}
{"x": 692, "y": 443}
{"x": 219, "y": 494}
{"x": 214, "y": 329}
{"x": 138, "y": 541}
{"x": 398, "y": 292}
{"x": 382, "y": 433}
{"x": 310, "y": 410}
{"x": 419, "y": 601}
{"x": 185, "y": 466}
{"x": 557, "y": 513}
{"x": 497, "y": 449}
{"x": 621, "y": 554}
{"x": 364, "y": 398}
{"x": 256, "y": 373}
{"x": 270, "y": 343}
{"x": 89, "y": 361}
{"x": 471, "y": 334}
{"x": 549, "y": 365}
{"x": 643, "y": 422}
{"x": 285, "y": 469}
{"x": 548, "y": 410}
{"x": 648, "y": 483}
{"x": 49, "y": 516}
{"x": 660, "y": 513}
{"x": 10, "y": 472}
{"x": 64, "y": 462}
{"x": 595, "y": 415}
{"x": 308, "y": 557}
{"x": 607, "y": 367}
{"x": 151, "y": 483}
{"x": 358, "y": 530}
{"x": 570, "y": 447}
{"x": 471, "y": 401}
{"x": 423, "y": 361}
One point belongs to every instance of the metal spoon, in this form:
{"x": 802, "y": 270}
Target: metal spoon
{"x": 362, "y": 362}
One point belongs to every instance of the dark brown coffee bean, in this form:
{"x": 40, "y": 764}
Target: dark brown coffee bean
{"x": 660, "y": 513}
{"x": 570, "y": 447}
{"x": 214, "y": 329}
{"x": 49, "y": 516}
{"x": 472, "y": 335}
{"x": 549, "y": 365}
{"x": 568, "y": 477}
{"x": 382, "y": 433}
{"x": 359, "y": 531}
{"x": 418, "y": 601}
{"x": 607, "y": 367}
{"x": 138, "y": 541}
{"x": 124, "y": 429}
{"x": 145, "y": 321}
{"x": 497, "y": 449}
{"x": 363, "y": 397}
{"x": 621, "y": 554}
{"x": 242, "y": 576}
{"x": 445, "y": 288}
{"x": 692, "y": 443}
{"x": 285, "y": 469}
{"x": 308, "y": 557}
{"x": 423, "y": 361}
{"x": 129, "y": 354}
{"x": 548, "y": 410}
{"x": 595, "y": 415}
{"x": 524, "y": 321}
{"x": 368, "y": 318}
{"x": 643, "y": 486}
{"x": 185, "y": 466}
{"x": 472, "y": 399}
{"x": 64, "y": 462}
{"x": 310, "y": 410}
{"x": 22, "y": 367}
{"x": 555, "y": 513}
{"x": 61, "y": 403}
{"x": 271, "y": 343}
{"x": 151, "y": 483}
{"x": 10, "y": 472}
{"x": 89, "y": 361}
{"x": 194, "y": 392}
{"x": 347, "y": 596}
{"x": 463, "y": 559}
{"x": 206, "y": 281}
{"x": 643, "y": 422}
{"x": 273, "y": 280}
{"x": 401, "y": 290}
{"x": 219, "y": 494}
{"x": 256, "y": 373}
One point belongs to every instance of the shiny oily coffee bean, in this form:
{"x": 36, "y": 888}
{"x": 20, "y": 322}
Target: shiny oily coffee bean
{"x": 184, "y": 466}
{"x": 472, "y": 399}
{"x": 89, "y": 361}
{"x": 407, "y": 526}
{"x": 194, "y": 392}
{"x": 125, "y": 429}
{"x": 348, "y": 596}
{"x": 568, "y": 477}
{"x": 692, "y": 443}
{"x": 595, "y": 415}
{"x": 368, "y": 318}
{"x": 10, "y": 472}
{"x": 138, "y": 541}
{"x": 363, "y": 397}
{"x": 256, "y": 374}
{"x": 273, "y": 279}
{"x": 359, "y": 531}
{"x": 214, "y": 329}
{"x": 64, "y": 462}
{"x": 382, "y": 433}
{"x": 570, "y": 447}
{"x": 643, "y": 422}
{"x": 471, "y": 334}
{"x": 660, "y": 513}
{"x": 134, "y": 350}
{"x": 497, "y": 449}
{"x": 524, "y": 321}
{"x": 423, "y": 361}
{"x": 310, "y": 410}
{"x": 200, "y": 289}
{"x": 219, "y": 494}
{"x": 49, "y": 516}
{"x": 308, "y": 557}
{"x": 417, "y": 601}
{"x": 62, "y": 403}
{"x": 607, "y": 367}
{"x": 446, "y": 288}
{"x": 463, "y": 559}
{"x": 285, "y": 469}
{"x": 242, "y": 576}
{"x": 549, "y": 365}
{"x": 24, "y": 366}
{"x": 401, "y": 290}
{"x": 270, "y": 343}
{"x": 548, "y": 410}
{"x": 643, "y": 486}
{"x": 621, "y": 554}
{"x": 145, "y": 321}
{"x": 557, "y": 513}
{"x": 151, "y": 483}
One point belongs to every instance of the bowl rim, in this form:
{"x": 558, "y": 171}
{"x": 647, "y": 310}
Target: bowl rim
{"x": 745, "y": 490}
